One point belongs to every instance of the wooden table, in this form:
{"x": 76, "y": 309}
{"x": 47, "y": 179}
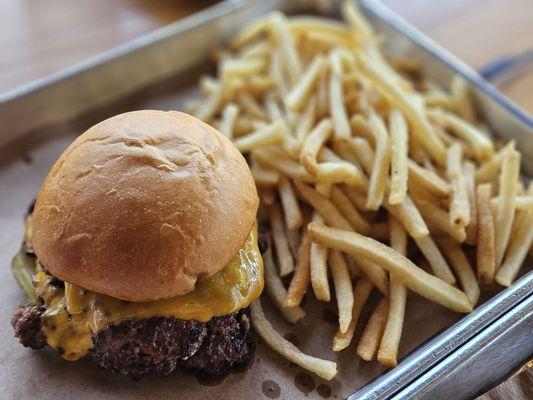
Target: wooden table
{"x": 40, "y": 37}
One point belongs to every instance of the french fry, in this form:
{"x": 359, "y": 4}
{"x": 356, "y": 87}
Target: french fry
{"x": 291, "y": 208}
{"x": 488, "y": 171}
{"x": 323, "y": 206}
{"x": 428, "y": 180}
{"x": 519, "y": 245}
{"x": 287, "y": 46}
{"x": 323, "y": 188}
{"x": 469, "y": 171}
{"x": 462, "y": 268}
{"x": 209, "y": 107}
{"x": 281, "y": 245}
{"x": 375, "y": 273}
{"x": 388, "y": 349}
{"x": 343, "y": 288}
{"x": 356, "y": 197}
{"x": 294, "y": 238}
{"x": 422, "y": 130}
{"x": 265, "y": 177}
{"x": 364, "y": 153}
{"x": 229, "y": 115}
{"x": 306, "y": 121}
{"x": 300, "y": 92}
{"x": 407, "y": 213}
{"x": 250, "y": 106}
{"x": 339, "y": 172}
{"x": 344, "y": 205}
{"x": 462, "y": 102}
{"x": 459, "y": 207}
{"x": 465, "y": 131}
{"x": 319, "y": 268}
{"x": 380, "y": 167}
{"x": 277, "y": 292}
{"x": 433, "y": 255}
{"x": 368, "y": 345}
{"x": 302, "y": 275}
{"x": 337, "y": 110}
{"x": 361, "y": 293}
{"x": 485, "y": 259}
{"x": 522, "y": 203}
{"x": 279, "y": 160}
{"x": 323, "y": 368}
{"x": 316, "y": 139}
{"x": 506, "y": 207}
{"x": 409, "y": 274}
{"x": 270, "y": 134}
{"x": 441, "y": 220}
{"x": 399, "y": 168}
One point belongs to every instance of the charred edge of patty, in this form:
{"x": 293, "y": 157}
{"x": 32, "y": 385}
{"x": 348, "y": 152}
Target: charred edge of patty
{"x": 27, "y": 323}
{"x": 158, "y": 345}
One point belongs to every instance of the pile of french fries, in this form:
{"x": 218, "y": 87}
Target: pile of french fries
{"x": 354, "y": 155}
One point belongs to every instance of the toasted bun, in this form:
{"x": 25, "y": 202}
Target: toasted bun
{"x": 143, "y": 205}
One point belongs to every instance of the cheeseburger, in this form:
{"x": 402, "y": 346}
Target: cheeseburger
{"x": 141, "y": 249}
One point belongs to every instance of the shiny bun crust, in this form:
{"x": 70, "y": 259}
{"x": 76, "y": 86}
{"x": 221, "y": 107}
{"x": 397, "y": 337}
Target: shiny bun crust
{"x": 143, "y": 205}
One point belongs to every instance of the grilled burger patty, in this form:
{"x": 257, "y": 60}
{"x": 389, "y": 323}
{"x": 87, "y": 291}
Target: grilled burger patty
{"x": 157, "y": 345}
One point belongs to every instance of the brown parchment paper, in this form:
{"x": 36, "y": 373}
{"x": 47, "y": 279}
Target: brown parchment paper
{"x": 29, "y": 374}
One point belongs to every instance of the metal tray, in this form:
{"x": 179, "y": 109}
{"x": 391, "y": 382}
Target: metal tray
{"x": 150, "y": 61}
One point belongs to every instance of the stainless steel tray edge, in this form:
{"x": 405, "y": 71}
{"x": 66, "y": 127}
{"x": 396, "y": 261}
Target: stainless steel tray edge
{"x": 447, "y": 343}
{"x": 480, "y": 363}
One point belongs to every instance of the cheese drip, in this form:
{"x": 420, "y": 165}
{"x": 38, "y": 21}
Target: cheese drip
{"x": 73, "y": 314}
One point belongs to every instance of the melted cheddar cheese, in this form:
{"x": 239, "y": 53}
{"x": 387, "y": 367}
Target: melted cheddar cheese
{"x": 73, "y": 314}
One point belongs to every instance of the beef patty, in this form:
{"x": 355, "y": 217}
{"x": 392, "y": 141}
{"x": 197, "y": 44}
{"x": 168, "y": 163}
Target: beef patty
{"x": 158, "y": 345}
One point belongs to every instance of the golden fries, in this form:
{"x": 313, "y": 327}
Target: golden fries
{"x": 399, "y": 168}
{"x": 264, "y": 136}
{"x": 344, "y": 205}
{"x": 459, "y": 207}
{"x": 343, "y": 288}
{"x": 324, "y": 369}
{"x": 462, "y": 268}
{"x": 408, "y": 273}
{"x": 433, "y": 255}
{"x": 319, "y": 271}
{"x": 371, "y": 338}
{"x": 281, "y": 245}
{"x": 388, "y": 349}
{"x": 486, "y": 261}
{"x": 302, "y": 274}
{"x": 316, "y": 139}
{"x": 464, "y": 130}
{"x": 289, "y": 203}
{"x": 361, "y": 293}
{"x": 374, "y": 151}
{"x": 323, "y": 206}
{"x": 380, "y": 167}
{"x": 469, "y": 171}
{"x": 336, "y": 105}
{"x": 277, "y": 291}
{"x": 428, "y": 180}
{"x": 300, "y": 93}
{"x": 519, "y": 245}
{"x": 506, "y": 206}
